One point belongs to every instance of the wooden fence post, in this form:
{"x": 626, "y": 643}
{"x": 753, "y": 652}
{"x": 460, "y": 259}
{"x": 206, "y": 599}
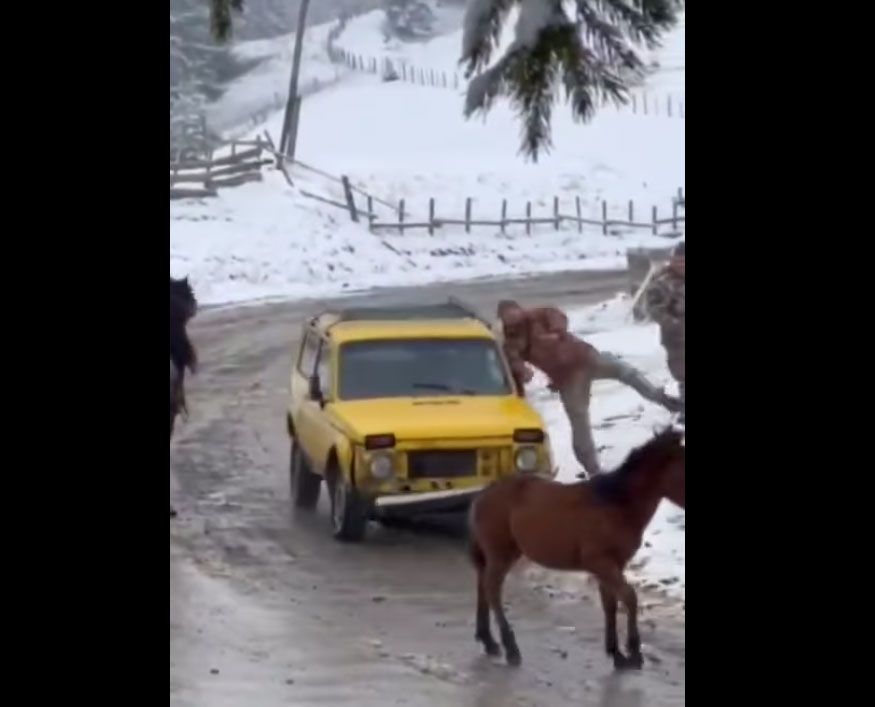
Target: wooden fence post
{"x": 468, "y": 215}
{"x": 350, "y": 200}
{"x": 655, "y": 224}
{"x": 579, "y": 217}
{"x": 669, "y": 105}
{"x": 674, "y": 215}
{"x": 431, "y": 216}
{"x": 556, "y": 213}
{"x": 631, "y": 211}
{"x": 401, "y": 217}
{"x": 645, "y": 103}
{"x": 503, "y": 214}
{"x": 528, "y": 218}
{"x": 604, "y": 217}
{"x": 634, "y": 104}
{"x": 371, "y": 216}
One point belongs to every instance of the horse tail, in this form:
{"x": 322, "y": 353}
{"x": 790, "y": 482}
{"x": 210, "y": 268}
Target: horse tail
{"x": 478, "y": 558}
{"x": 475, "y": 552}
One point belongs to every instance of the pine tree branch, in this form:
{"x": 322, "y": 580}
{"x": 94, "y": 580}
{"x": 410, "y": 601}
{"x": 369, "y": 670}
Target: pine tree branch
{"x": 482, "y": 31}
{"x": 592, "y": 57}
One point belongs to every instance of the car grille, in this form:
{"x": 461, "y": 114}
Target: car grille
{"x": 442, "y": 464}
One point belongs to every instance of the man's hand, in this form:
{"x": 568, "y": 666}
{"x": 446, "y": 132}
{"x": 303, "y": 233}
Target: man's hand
{"x": 671, "y": 403}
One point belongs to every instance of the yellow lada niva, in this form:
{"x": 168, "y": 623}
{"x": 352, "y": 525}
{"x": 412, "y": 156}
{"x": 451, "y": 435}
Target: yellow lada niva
{"x": 405, "y": 410}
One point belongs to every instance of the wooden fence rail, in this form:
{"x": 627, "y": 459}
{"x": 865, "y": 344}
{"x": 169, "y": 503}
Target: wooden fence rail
{"x": 204, "y": 177}
{"x": 557, "y": 218}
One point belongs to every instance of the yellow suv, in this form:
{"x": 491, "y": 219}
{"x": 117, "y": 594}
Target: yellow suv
{"x": 405, "y": 410}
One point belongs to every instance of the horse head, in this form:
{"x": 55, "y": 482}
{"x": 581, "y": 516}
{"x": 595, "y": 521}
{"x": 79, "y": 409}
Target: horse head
{"x": 670, "y": 462}
{"x": 182, "y": 295}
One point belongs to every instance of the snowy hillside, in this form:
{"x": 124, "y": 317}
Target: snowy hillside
{"x": 405, "y": 141}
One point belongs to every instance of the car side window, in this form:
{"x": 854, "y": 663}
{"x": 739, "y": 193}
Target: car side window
{"x": 323, "y": 368}
{"x": 307, "y": 359}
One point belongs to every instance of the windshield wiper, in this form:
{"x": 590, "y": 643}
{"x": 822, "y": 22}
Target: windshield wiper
{"x": 443, "y": 387}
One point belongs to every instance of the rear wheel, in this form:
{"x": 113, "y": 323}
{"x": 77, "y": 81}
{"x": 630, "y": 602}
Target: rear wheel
{"x": 349, "y": 511}
{"x": 303, "y": 483}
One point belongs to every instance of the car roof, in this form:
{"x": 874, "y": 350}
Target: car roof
{"x": 450, "y": 319}
{"x": 414, "y": 329}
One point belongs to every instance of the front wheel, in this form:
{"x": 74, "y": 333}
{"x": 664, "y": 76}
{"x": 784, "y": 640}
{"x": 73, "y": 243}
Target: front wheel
{"x": 349, "y": 514}
{"x": 303, "y": 483}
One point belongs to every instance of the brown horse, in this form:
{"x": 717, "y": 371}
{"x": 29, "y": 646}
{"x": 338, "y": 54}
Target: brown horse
{"x": 594, "y": 526}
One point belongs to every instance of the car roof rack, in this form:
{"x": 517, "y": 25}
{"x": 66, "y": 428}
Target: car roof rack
{"x": 452, "y": 308}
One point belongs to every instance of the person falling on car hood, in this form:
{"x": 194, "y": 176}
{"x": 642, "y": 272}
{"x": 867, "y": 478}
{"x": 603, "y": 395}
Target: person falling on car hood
{"x": 540, "y": 337}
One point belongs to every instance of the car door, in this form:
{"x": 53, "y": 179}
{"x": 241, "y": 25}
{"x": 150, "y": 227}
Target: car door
{"x": 322, "y": 430}
{"x": 304, "y": 410}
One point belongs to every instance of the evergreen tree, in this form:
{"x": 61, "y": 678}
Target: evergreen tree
{"x": 589, "y": 54}
{"x": 409, "y": 19}
{"x": 221, "y": 24}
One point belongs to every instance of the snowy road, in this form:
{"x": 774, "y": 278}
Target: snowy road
{"x": 266, "y": 609}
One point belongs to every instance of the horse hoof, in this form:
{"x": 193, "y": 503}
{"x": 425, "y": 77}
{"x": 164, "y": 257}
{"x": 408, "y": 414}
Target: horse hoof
{"x": 514, "y": 659}
{"x": 631, "y": 662}
{"x": 492, "y": 650}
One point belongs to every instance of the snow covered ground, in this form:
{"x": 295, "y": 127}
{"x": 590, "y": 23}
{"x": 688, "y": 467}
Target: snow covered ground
{"x": 403, "y": 141}
{"x": 622, "y": 420}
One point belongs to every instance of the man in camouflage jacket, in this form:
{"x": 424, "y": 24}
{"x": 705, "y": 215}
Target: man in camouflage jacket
{"x": 540, "y": 337}
{"x": 665, "y": 300}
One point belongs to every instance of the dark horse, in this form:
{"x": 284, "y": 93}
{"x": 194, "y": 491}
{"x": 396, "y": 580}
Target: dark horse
{"x": 183, "y": 306}
{"x": 594, "y": 526}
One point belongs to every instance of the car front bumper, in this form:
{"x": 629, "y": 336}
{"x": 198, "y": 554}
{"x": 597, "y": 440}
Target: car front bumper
{"x": 409, "y": 504}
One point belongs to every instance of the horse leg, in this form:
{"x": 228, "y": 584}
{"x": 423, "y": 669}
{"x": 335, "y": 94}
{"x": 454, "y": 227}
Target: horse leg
{"x": 496, "y": 571}
{"x": 483, "y": 632}
{"x": 613, "y": 586}
{"x": 629, "y": 598}
{"x": 609, "y": 605}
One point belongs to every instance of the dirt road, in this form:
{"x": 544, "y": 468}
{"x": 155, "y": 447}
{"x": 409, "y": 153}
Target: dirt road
{"x": 266, "y": 609}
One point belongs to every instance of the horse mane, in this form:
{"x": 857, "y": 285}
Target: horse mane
{"x": 612, "y": 487}
{"x": 182, "y": 351}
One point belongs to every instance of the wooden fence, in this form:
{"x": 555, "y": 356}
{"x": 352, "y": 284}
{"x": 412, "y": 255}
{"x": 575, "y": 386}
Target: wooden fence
{"x": 640, "y": 102}
{"x": 559, "y": 215}
{"x": 668, "y": 225}
{"x": 201, "y": 178}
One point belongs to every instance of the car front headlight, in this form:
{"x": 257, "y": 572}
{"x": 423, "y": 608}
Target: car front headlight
{"x": 382, "y": 467}
{"x": 526, "y": 459}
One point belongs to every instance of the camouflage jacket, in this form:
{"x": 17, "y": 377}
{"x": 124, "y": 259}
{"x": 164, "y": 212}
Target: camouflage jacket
{"x": 665, "y": 300}
{"x": 542, "y": 339}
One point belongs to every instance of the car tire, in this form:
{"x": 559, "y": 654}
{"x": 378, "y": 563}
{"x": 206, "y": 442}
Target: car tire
{"x": 349, "y": 511}
{"x": 303, "y": 483}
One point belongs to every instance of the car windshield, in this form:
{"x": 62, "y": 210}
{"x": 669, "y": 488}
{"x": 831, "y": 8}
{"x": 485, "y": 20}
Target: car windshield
{"x": 421, "y": 367}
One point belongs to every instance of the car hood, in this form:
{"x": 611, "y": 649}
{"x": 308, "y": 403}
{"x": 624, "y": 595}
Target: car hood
{"x": 437, "y": 418}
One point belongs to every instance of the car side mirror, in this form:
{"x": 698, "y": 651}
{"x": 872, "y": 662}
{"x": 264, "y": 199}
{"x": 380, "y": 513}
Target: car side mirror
{"x": 316, "y": 389}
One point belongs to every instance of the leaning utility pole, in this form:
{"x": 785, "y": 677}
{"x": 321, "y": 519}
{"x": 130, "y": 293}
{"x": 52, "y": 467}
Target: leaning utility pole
{"x": 290, "y": 119}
